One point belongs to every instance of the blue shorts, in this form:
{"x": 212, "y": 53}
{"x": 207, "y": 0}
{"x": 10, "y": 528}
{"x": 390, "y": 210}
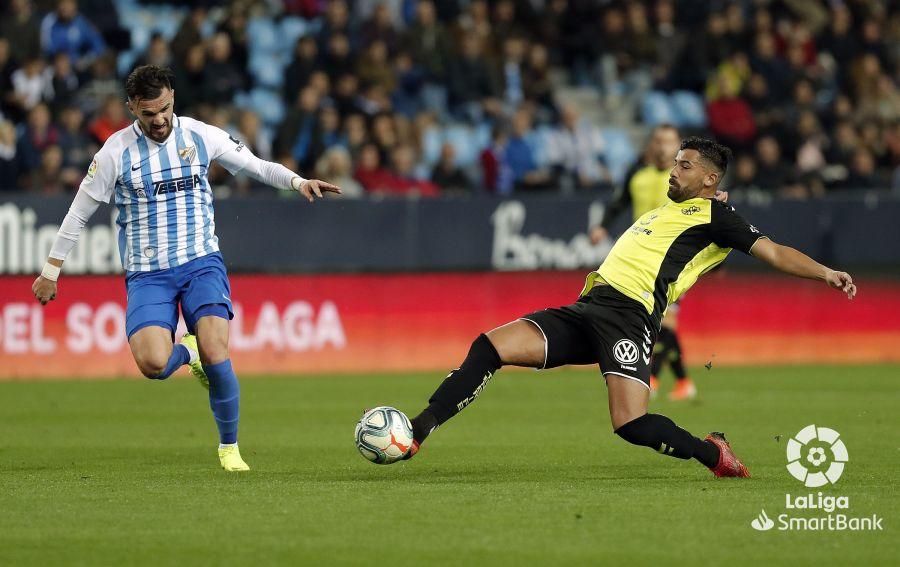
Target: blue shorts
{"x": 200, "y": 287}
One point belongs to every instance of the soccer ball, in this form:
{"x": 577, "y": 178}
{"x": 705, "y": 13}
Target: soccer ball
{"x": 383, "y": 435}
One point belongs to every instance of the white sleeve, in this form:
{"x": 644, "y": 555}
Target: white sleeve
{"x": 100, "y": 180}
{"x": 236, "y": 157}
{"x": 83, "y": 206}
{"x": 271, "y": 173}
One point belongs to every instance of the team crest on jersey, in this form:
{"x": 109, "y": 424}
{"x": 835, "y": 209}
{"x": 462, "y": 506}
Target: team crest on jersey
{"x": 188, "y": 154}
{"x": 690, "y": 210}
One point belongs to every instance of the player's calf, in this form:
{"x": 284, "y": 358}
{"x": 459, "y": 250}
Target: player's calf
{"x": 662, "y": 435}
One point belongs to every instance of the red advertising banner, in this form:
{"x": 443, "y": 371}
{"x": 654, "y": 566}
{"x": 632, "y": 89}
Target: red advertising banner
{"x": 377, "y": 323}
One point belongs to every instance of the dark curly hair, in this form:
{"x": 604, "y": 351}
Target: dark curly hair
{"x": 710, "y": 150}
{"x": 148, "y": 82}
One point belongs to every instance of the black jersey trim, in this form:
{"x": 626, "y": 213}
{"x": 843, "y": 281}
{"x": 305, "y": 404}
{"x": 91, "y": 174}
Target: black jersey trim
{"x": 683, "y": 249}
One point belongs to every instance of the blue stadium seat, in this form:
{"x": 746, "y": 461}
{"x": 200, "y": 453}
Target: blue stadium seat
{"x": 620, "y": 153}
{"x": 266, "y": 103}
{"x": 464, "y": 141}
{"x": 432, "y": 140}
{"x": 267, "y": 69}
{"x": 690, "y": 109}
{"x": 290, "y": 29}
{"x": 657, "y": 109}
{"x": 263, "y": 36}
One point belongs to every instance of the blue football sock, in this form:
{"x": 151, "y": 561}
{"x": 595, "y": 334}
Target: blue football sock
{"x": 224, "y": 399}
{"x": 179, "y": 357}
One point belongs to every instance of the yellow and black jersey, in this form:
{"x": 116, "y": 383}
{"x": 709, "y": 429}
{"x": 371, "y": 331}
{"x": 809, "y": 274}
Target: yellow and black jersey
{"x": 664, "y": 252}
{"x": 644, "y": 189}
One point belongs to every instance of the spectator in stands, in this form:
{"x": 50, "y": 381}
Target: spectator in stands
{"x": 249, "y": 131}
{"x": 374, "y": 67}
{"x": 428, "y": 42}
{"x": 335, "y": 166}
{"x": 475, "y": 23}
{"x": 339, "y": 58}
{"x": 157, "y": 53}
{"x": 103, "y": 83}
{"x": 336, "y": 22}
{"x": 305, "y": 62}
{"x": 380, "y": 27}
{"x": 190, "y": 33}
{"x": 32, "y": 84}
{"x": 520, "y": 156}
{"x": 20, "y": 26}
{"x": 536, "y": 82}
{"x": 744, "y": 180}
{"x": 77, "y": 147}
{"x": 64, "y": 82}
{"x": 67, "y": 31}
{"x": 766, "y": 62}
{"x": 497, "y": 175}
{"x": 863, "y": 172}
{"x": 407, "y": 96}
{"x": 235, "y": 27}
{"x": 473, "y": 83}
{"x": 39, "y": 134}
{"x": 730, "y": 117}
{"x": 404, "y": 180}
{"x": 505, "y": 25}
{"x": 7, "y": 67}
{"x": 9, "y": 165}
{"x": 356, "y": 134}
{"x": 111, "y": 119}
{"x": 576, "y": 150}
{"x": 511, "y": 72}
{"x": 369, "y": 171}
{"x": 447, "y": 175}
{"x": 328, "y": 133}
{"x": 221, "y": 76}
{"x": 189, "y": 79}
{"x": 48, "y": 178}
{"x": 772, "y": 174}
{"x": 295, "y": 135}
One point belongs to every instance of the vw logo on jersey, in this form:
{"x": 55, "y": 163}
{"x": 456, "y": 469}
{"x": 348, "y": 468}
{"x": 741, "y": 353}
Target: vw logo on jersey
{"x": 625, "y": 352}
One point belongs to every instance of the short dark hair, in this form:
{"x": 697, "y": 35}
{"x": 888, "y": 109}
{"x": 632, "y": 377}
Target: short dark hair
{"x": 148, "y": 82}
{"x": 713, "y": 152}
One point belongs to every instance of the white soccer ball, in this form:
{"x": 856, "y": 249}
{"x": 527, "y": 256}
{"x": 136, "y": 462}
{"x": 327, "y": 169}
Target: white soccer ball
{"x": 383, "y": 435}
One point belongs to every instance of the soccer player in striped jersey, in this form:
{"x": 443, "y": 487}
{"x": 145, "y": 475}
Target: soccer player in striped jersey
{"x": 156, "y": 171}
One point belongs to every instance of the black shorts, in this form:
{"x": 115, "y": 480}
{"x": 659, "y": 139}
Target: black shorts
{"x": 604, "y": 327}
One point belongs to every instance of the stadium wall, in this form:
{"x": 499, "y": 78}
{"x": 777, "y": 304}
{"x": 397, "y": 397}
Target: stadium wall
{"x": 479, "y": 233}
{"x": 394, "y": 323}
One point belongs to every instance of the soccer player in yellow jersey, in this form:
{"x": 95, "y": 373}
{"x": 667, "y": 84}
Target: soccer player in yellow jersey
{"x": 616, "y": 320}
{"x": 645, "y": 189}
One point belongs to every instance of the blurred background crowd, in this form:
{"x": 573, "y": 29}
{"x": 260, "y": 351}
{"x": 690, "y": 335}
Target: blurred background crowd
{"x": 420, "y": 97}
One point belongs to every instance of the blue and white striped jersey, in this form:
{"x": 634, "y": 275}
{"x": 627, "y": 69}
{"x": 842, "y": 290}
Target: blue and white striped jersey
{"x": 163, "y": 196}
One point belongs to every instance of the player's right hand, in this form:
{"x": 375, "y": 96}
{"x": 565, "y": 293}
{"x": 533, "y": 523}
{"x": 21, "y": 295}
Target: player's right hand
{"x": 598, "y": 234}
{"x": 841, "y": 281}
{"x": 311, "y": 188}
{"x": 44, "y": 290}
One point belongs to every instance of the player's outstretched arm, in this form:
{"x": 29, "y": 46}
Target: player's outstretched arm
{"x": 83, "y": 206}
{"x": 796, "y": 263}
{"x": 311, "y": 188}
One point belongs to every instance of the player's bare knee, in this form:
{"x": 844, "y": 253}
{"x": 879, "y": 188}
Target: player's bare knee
{"x": 519, "y": 343}
{"x": 213, "y": 351}
{"x": 151, "y": 364}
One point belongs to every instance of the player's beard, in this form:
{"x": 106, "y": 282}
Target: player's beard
{"x": 159, "y": 135}
{"x": 676, "y": 192}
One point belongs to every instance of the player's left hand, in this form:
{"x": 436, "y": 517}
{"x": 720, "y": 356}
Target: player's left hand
{"x": 721, "y": 196}
{"x": 312, "y": 188}
{"x": 841, "y": 281}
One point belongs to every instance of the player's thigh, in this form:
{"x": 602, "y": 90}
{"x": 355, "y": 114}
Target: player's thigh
{"x": 518, "y": 343}
{"x": 563, "y": 336}
{"x": 151, "y": 347}
{"x": 628, "y": 399}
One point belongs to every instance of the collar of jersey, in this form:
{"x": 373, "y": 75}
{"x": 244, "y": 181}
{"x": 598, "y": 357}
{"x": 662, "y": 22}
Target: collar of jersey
{"x": 137, "y": 130}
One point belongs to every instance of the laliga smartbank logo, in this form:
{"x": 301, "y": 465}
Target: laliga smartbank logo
{"x": 816, "y": 457}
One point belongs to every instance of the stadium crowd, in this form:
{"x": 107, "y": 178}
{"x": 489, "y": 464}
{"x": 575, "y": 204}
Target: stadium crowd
{"x": 458, "y": 96}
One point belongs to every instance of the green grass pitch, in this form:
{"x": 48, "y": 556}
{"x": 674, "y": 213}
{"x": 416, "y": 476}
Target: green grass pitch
{"x": 125, "y": 473}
